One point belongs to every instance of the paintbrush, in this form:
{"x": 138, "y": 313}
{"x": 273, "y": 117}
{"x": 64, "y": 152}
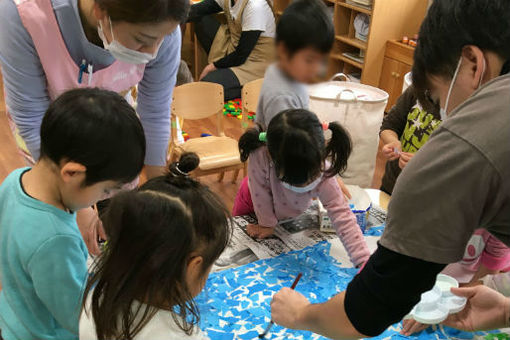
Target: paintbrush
{"x": 268, "y": 328}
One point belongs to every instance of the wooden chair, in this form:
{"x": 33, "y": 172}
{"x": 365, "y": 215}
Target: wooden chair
{"x": 217, "y": 154}
{"x": 250, "y": 98}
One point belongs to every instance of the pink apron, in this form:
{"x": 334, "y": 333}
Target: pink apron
{"x": 60, "y": 69}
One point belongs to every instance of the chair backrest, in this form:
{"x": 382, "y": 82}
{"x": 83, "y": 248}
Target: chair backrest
{"x": 250, "y": 98}
{"x": 197, "y": 100}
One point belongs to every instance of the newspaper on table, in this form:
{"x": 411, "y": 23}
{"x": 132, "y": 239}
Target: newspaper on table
{"x": 295, "y": 234}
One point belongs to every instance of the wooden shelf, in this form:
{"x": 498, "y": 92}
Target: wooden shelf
{"x": 352, "y": 41}
{"x": 356, "y": 8}
{"x": 347, "y": 60}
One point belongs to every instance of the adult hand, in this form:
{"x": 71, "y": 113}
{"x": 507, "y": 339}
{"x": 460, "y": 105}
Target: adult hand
{"x": 405, "y": 157}
{"x": 388, "y": 150}
{"x": 287, "y": 308}
{"x": 208, "y": 69}
{"x": 91, "y": 228}
{"x": 486, "y": 309}
{"x": 258, "y": 231}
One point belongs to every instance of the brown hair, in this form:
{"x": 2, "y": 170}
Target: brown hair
{"x": 152, "y": 233}
{"x": 147, "y": 11}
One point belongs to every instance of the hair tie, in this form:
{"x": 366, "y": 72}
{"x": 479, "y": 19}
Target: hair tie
{"x": 263, "y": 137}
{"x": 179, "y": 171}
{"x": 325, "y": 126}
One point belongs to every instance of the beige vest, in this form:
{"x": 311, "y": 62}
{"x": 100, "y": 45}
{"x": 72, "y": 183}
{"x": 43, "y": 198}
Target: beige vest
{"x": 227, "y": 39}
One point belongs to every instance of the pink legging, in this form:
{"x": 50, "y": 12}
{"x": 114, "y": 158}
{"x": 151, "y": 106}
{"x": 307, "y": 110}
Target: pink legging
{"x": 243, "y": 204}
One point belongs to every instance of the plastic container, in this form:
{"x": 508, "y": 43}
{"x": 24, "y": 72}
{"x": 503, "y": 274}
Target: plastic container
{"x": 360, "y": 109}
{"x": 436, "y": 304}
{"x": 360, "y": 204}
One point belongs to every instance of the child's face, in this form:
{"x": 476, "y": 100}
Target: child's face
{"x": 303, "y": 66}
{"x": 75, "y": 195}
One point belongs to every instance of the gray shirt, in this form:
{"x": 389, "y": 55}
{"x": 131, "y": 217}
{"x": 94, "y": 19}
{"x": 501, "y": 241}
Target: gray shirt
{"x": 458, "y": 182}
{"x": 279, "y": 92}
{"x": 25, "y": 83}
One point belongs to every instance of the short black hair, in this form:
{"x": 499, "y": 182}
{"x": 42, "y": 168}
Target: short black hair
{"x": 298, "y": 149}
{"x": 306, "y": 23}
{"x": 98, "y": 129}
{"x": 452, "y": 24}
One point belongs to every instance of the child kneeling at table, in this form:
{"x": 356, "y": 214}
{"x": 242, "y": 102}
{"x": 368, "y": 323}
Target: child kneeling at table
{"x": 288, "y": 167}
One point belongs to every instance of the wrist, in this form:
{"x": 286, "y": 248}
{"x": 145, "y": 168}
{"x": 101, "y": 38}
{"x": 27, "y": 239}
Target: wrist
{"x": 389, "y": 136}
{"x": 304, "y": 318}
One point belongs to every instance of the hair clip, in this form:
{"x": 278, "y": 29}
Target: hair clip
{"x": 325, "y": 126}
{"x": 263, "y": 137}
{"x": 179, "y": 171}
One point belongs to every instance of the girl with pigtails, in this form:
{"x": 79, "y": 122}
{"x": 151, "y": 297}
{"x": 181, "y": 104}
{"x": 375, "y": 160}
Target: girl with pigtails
{"x": 290, "y": 164}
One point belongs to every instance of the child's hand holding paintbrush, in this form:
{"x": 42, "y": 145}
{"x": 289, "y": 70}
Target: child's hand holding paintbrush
{"x": 282, "y": 296}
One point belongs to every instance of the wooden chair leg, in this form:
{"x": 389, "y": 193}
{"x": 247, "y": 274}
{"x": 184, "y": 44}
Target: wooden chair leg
{"x": 236, "y": 174}
{"x": 175, "y": 154}
{"x": 221, "y": 176}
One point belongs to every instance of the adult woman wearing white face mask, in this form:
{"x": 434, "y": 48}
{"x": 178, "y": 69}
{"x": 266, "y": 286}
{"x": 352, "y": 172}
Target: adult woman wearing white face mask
{"x": 49, "y": 46}
{"x": 458, "y": 182}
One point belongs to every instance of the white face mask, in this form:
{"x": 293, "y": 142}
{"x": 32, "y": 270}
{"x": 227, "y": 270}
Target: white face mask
{"x": 444, "y": 111}
{"x": 302, "y": 190}
{"x": 122, "y": 53}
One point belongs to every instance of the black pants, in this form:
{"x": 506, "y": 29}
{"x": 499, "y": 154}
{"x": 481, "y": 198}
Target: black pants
{"x": 206, "y": 30}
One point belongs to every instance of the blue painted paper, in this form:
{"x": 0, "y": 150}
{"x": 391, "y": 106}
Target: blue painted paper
{"x": 235, "y": 302}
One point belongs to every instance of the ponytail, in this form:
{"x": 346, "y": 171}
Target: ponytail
{"x": 250, "y": 141}
{"x": 338, "y": 149}
{"x": 187, "y": 163}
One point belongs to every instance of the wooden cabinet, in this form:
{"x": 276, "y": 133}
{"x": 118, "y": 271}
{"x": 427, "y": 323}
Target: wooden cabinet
{"x": 397, "y": 63}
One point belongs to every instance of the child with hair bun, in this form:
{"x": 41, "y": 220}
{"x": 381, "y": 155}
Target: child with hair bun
{"x": 162, "y": 242}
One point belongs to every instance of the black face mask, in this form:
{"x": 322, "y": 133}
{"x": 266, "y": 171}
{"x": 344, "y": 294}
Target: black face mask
{"x": 506, "y": 68}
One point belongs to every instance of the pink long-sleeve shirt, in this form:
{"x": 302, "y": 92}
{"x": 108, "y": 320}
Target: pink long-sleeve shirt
{"x": 483, "y": 248}
{"x": 273, "y": 202}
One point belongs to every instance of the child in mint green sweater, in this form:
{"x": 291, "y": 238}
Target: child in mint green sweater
{"x": 91, "y": 144}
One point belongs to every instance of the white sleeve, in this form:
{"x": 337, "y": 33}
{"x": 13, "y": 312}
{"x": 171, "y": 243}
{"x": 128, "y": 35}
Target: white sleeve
{"x": 256, "y": 16}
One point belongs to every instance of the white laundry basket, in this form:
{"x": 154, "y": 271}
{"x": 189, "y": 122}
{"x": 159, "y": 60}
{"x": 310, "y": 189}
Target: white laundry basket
{"x": 360, "y": 109}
